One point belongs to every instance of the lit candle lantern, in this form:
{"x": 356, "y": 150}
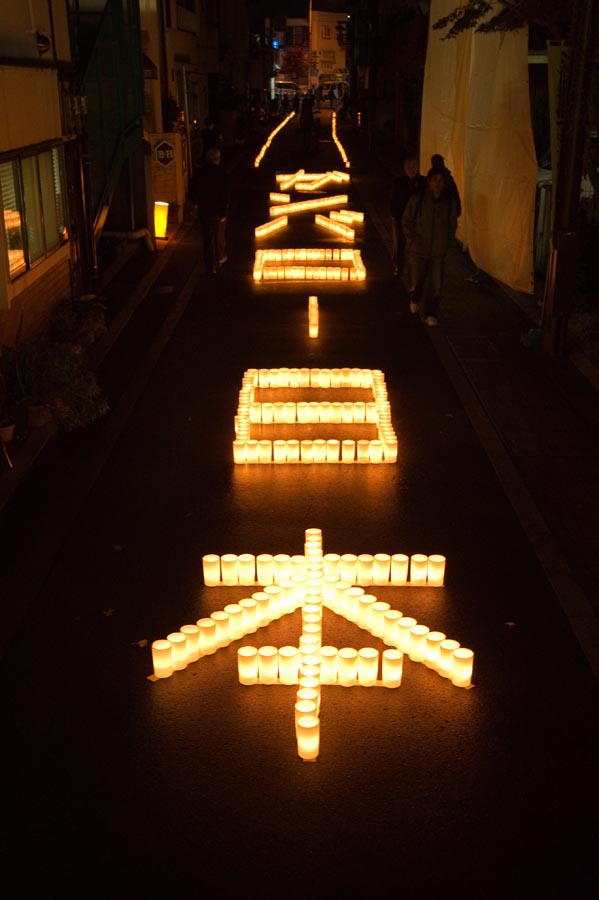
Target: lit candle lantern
{"x": 289, "y": 412}
{"x": 305, "y": 708}
{"x": 160, "y": 218}
{"x": 267, "y": 413}
{"x": 221, "y": 619}
{"x": 306, "y": 682}
{"x": 263, "y": 611}
{"x": 399, "y": 568}
{"x": 365, "y": 604}
{"x": 211, "y": 569}
{"x": 390, "y": 619}
{"x": 265, "y": 451}
{"x": 250, "y": 615}
{"x": 347, "y": 411}
{"x": 404, "y": 626}
{"x": 162, "y": 658}
{"x": 433, "y": 648}
{"x": 252, "y": 454}
{"x": 179, "y": 649}
{"x": 333, "y": 446}
{"x": 282, "y": 567}
{"x": 275, "y": 596}
{"x": 265, "y": 567}
{"x": 375, "y": 451}
{"x": 309, "y": 671}
{"x": 294, "y": 378}
{"x": 463, "y": 662}
{"x": 359, "y": 411}
{"x": 392, "y": 668}
{"x": 436, "y": 569}
{"x": 289, "y": 658}
{"x": 278, "y": 412}
{"x": 365, "y": 567}
{"x": 328, "y": 665}
{"x": 230, "y": 568}
{"x": 298, "y": 567}
{"x": 418, "y": 568}
{"x": 207, "y": 629}
{"x": 239, "y": 454}
{"x": 268, "y": 659}
{"x": 247, "y": 568}
{"x": 353, "y": 596}
{"x": 347, "y": 666}
{"x": 446, "y": 651}
{"x": 247, "y": 665}
{"x": 417, "y": 648}
{"x": 310, "y": 642}
{"x": 192, "y": 636}
{"x": 320, "y": 450}
{"x": 308, "y": 737}
{"x": 279, "y": 448}
{"x": 331, "y": 564}
{"x": 312, "y": 695}
{"x": 368, "y": 666}
{"x": 377, "y": 618}
{"x": 336, "y": 411}
{"x": 293, "y": 450}
{"x": 381, "y": 568}
{"x": 348, "y": 451}
{"x": 307, "y": 450}
{"x": 314, "y": 411}
{"x": 235, "y": 613}
{"x": 303, "y": 411}
{"x": 390, "y": 450}
{"x": 363, "y": 449}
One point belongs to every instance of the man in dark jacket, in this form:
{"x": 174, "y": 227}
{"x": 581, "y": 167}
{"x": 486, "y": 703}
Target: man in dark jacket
{"x": 407, "y": 184}
{"x": 437, "y": 162}
{"x": 429, "y": 223}
{"x": 209, "y": 191}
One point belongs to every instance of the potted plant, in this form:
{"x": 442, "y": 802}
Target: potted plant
{"x": 79, "y": 322}
{"x": 54, "y": 377}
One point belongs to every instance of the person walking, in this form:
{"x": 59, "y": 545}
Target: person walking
{"x": 437, "y": 162}
{"x": 210, "y": 192}
{"x": 429, "y": 223}
{"x": 407, "y": 184}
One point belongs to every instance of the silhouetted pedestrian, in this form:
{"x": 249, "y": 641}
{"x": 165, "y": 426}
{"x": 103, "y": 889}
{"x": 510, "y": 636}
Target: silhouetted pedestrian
{"x": 429, "y": 223}
{"x": 407, "y": 184}
{"x": 210, "y": 190}
{"x": 437, "y": 162}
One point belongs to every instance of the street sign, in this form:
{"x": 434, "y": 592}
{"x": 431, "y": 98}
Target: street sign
{"x": 165, "y": 153}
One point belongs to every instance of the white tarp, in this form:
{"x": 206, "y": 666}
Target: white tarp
{"x": 476, "y": 114}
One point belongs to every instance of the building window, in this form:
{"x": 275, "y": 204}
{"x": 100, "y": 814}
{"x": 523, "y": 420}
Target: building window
{"x": 328, "y": 55}
{"x": 34, "y": 207}
{"x": 325, "y": 31}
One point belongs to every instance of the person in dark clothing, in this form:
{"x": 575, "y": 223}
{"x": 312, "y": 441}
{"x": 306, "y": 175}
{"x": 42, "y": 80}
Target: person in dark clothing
{"x": 437, "y": 162}
{"x": 211, "y": 137}
{"x": 210, "y": 191}
{"x": 407, "y": 184}
{"x": 429, "y": 223}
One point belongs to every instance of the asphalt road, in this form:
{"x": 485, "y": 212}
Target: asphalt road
{"x": 192, "y": 785}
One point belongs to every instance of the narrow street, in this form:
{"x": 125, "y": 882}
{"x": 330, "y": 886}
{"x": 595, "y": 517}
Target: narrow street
{"x": 192, "y": 784}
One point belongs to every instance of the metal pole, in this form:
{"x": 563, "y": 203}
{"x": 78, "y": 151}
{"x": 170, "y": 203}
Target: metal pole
{"x": 561, "y": 271}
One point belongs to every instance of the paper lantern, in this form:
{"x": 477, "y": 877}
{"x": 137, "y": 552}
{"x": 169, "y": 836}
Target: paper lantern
{"x": 308, "y": 737}
{"x": 268, "y": 659}
{"x": 391, "y": 618}
{"x": 305, "y": 708}
{"x": 418, "y": 568}
{"x": 436, "y": 569}
{"x": 239, "y": 452}
{"x": 463, "y": 662}
{"x": 275, "y": 597}
{"x": 160, "y": 218}
{"x": 211, "y": 569}
{"x": 307, "y": 450}
{"x": 252, "y": 451}
{"x": 433, "y": 648}
{"x": 381, "y": 568}
{"x": 288, "y": 665}
{"x": 368, "y": 666}
{"x": 230, "y": 568}
{"x": 365, "y": 604}
{"x": 192, "y": 636}
{"x": 207, "y": 629}
{"x": 293, "y": 451}
{"x": 417, "y": 646}
{"x": 246, "y": 568}
{"x": 347, "y": 666}
{"x": 263, "y": 611}
{"x": 162, "y": 658}
{"x": 250, "y": 615}
{"x": 247, "y": 665}
{"x": 221, "y": 619}
{"x": 235, "y": 613}
{"x": 404, "y": 626}
{"x": 179, "y": 649}
{"x": 377, "y": 618}
{"x": 392, "y": 668}
{"x": 399, "y": 568}
{"x": 265, "y": 568}
{"x": 363, "y": 450}
{"x": 446, "y": 651}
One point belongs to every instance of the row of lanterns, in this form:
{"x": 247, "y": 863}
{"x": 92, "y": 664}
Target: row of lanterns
{"x": 344, "y": 569}
{"x": 313, "y": 320}
{"x": 270, "y": 265}
{"x": 338, "y": 143}
{"x": 299, "y": 206}
{"x": 270, "y": 139}
{"x": 246, "y": 449}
